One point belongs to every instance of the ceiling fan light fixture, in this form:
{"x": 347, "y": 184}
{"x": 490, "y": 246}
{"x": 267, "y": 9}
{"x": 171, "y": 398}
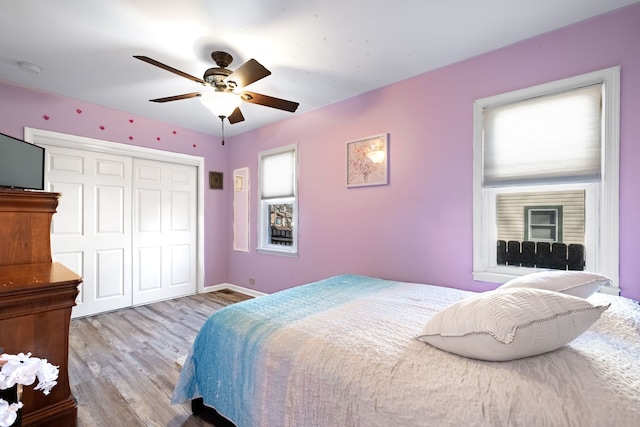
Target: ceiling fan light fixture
{"x": 220, "y": 82}
{"x": 222, "y": 104}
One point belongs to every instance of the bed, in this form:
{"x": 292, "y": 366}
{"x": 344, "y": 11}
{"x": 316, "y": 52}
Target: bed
{"x": 346, "y": 351}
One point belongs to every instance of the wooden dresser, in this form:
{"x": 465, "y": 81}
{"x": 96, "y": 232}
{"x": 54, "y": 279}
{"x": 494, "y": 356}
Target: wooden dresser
{"x": 36, "y": 298}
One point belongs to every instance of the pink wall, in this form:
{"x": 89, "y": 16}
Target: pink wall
{"x": 21, "y": 107}
{"x": 419, "y": 227}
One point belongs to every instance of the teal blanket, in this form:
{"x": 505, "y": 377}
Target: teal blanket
{"x": 225, "y": 366}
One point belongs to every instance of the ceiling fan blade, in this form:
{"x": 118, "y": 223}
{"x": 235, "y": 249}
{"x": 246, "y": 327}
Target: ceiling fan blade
{"x": 177, "y": 97}
{"x": 269, "y": 101}
{"x": 171, "y": 69}
{"x": 249, "y": 72}
{"x": 236, "y": 116}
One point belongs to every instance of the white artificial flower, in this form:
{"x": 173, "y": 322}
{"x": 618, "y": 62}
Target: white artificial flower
{"x": 3, "y": 381}
{"x": 19, "y": 369}
{"x": 8, "y": 412}
{"x": 23, "y": 369}
{"x": 47, "y": 376}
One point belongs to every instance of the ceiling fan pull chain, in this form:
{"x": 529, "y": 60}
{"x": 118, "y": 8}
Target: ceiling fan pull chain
{"x": 222, "y": 121}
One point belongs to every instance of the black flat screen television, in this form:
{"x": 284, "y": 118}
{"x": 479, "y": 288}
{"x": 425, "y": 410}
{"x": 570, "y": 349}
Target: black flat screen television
{"x": 21, "y": 164}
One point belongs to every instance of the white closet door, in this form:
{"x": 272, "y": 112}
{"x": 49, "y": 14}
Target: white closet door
{"x": 91, "y": 231}
{"x": 164, "y": 230}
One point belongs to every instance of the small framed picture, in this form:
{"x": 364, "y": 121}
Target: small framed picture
{"x": 368, "y": 161}
{"x": 215, "y": 180}
{"x": 238, "y": 182}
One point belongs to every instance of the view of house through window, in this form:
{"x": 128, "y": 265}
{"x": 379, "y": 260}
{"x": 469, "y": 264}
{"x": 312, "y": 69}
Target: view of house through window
{"x": 546, "y": 216}
{"x": 281, "y": 224}
{"x": 525, "y": 219}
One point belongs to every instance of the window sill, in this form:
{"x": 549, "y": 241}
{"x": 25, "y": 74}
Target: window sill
{"x": 501, "y": 275}
{"x": 289, "y": 254}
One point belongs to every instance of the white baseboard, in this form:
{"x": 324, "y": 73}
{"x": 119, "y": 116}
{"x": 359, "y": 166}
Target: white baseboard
{"x": 236, "y": 288}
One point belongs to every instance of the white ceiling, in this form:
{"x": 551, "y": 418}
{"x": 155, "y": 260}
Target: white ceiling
{"x": 319, "y": 52}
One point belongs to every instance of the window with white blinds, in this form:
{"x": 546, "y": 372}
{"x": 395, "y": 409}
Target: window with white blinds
{"x": 533, "y": 145}
{"x": 277, "y": 174}
{"x": 278, "y": 203}
{"x": 546, "y": 139}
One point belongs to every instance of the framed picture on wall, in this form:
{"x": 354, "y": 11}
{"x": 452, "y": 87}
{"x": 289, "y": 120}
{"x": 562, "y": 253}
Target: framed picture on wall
{"x": 367, "y": 161}
{"x": 238, "y": 182}
{"x": 215, "y": 180}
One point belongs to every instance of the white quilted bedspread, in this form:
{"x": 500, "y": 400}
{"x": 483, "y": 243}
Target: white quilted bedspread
{"x": 354, "y": 361}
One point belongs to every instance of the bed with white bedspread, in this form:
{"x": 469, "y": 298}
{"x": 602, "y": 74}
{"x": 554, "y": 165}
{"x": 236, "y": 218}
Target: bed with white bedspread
{"x": 343, "y": 352}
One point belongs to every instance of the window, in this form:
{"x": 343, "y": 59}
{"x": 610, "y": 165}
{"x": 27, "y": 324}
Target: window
{"x": 543, "y": 224}
{"x": 278, "y": 205}
{"x": 546, "y": 170}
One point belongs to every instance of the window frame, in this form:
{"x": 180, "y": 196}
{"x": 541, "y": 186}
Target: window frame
{"x": 601, "y": 198}
{"x": 264, "y": 216}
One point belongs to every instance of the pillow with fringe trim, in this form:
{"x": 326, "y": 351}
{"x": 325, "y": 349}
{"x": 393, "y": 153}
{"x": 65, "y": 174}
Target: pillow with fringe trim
{"x": 577, "y": 283}
{"x": 511, "y": 323}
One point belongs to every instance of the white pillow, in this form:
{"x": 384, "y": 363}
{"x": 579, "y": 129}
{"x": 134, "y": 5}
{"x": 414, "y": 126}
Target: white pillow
{"x": 577, "y": 283}
{"x": 511, "y": 323}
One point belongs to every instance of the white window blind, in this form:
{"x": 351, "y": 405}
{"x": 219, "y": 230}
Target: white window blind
{"x": 278, "y": 178}
{"x": 548, "y": 139}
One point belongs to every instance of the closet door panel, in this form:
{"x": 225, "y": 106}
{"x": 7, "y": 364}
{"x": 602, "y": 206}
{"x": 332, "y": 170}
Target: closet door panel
{"x": 181, "y": 259}
{"x": 110, "y": 270}
{"x": 70, "y": 214}
{"x": 149, "y": 275}
{"x": 149, "y": 205}
{"x": 91, "y": 231}
{"x": 165, "y": 225}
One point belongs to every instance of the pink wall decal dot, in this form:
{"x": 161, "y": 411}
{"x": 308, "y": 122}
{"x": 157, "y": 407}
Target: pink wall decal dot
{"x": 101, "y": 127}
{"x": 46, "y": 117}
{"x": 130, "y": 138}
{"x": 79, "y": 111}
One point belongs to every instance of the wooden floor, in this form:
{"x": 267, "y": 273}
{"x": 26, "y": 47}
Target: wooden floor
{"x": 122, "y": 365}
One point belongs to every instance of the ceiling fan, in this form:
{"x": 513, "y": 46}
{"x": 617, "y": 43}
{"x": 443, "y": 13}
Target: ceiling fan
{"x": 228, "y": 87}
